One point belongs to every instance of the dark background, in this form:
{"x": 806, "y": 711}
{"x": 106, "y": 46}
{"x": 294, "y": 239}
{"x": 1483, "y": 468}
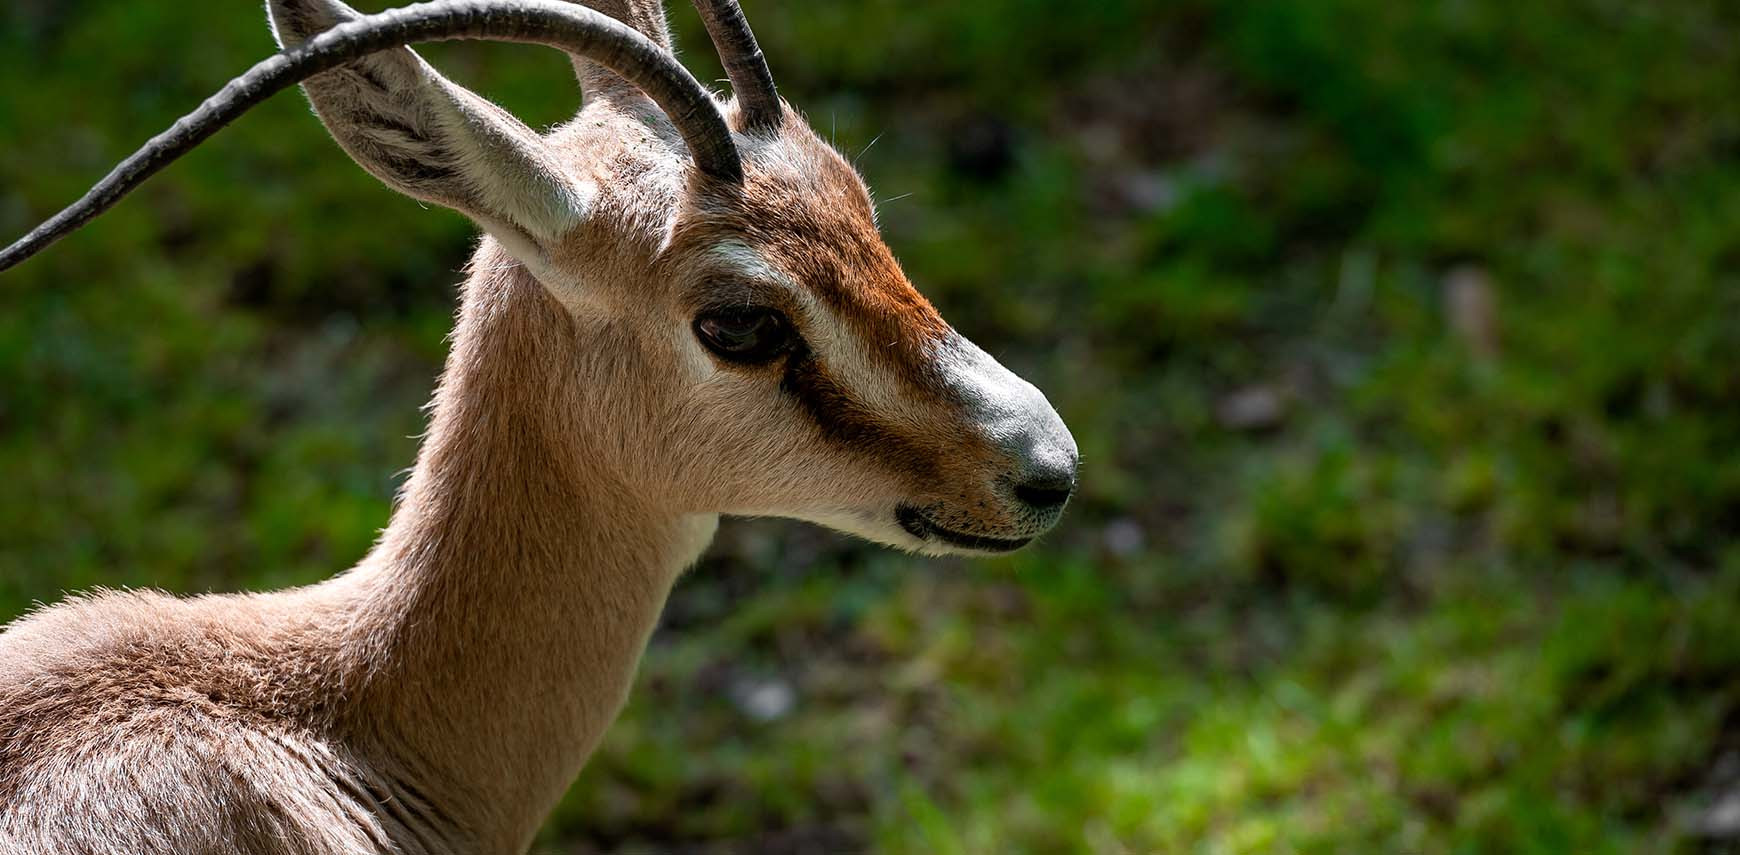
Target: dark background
{"x": 1402, "y": 341}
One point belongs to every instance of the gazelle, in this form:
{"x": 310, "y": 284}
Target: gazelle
{"x": 681, "y": 308}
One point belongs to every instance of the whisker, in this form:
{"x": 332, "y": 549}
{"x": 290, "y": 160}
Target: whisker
{"x": 867, "y": 147}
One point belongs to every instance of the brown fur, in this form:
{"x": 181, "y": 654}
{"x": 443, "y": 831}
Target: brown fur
{"x": 440, "y": 695}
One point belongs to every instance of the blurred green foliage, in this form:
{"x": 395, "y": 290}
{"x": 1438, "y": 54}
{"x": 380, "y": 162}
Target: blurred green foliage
{"x": 1402, "y": 341}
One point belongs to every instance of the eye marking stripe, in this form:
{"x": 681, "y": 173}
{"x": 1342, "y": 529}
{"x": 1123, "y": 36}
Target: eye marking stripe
{"x": 847, "y": 422}
{"x": 886, "y": 374}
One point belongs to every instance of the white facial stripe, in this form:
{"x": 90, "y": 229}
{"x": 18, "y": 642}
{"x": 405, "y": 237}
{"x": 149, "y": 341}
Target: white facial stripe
{"x": 851, "y": 362}
{"x": 841, "y": 348}
{"x": 738, "y": 257}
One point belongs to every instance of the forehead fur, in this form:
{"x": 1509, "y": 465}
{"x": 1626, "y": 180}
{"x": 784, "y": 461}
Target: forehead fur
{"x": 802, "y": 208}
{"x": 805, "y": 209}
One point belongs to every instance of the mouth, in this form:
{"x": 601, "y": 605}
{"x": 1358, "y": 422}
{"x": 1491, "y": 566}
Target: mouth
{"x": 918, "y": 525}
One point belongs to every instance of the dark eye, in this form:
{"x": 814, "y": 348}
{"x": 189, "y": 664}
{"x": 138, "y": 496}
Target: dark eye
{"x": 747, "y": 335}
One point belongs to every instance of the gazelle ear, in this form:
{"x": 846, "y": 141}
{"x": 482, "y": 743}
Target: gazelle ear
{"x": 433, "y": 139}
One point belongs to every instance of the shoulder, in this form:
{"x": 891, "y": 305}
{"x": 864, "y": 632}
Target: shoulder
{"x": 63, "y": 657}
{"x": 93, "y": 669}
{"x": 136, "y": 722}
{"x": 93, "y": 657}
{"x": 79, "y": 617}
{"x": 113, "y": 652}
{"x": 184, "y": 785}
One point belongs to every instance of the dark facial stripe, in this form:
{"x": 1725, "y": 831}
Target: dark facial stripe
{"x": 848, "y": 423}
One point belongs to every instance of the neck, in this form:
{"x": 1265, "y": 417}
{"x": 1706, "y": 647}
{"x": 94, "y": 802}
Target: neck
{"x": 497, "y": 625}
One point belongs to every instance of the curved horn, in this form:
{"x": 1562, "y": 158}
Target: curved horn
{"x": 575, "y": 29}
{"x": 757, "y": 98}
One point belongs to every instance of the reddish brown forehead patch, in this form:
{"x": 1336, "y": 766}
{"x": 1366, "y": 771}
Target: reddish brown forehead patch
{"x": 807, "y": 212}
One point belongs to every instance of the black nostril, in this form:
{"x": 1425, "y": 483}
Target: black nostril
{"x": 1045, "y": 493}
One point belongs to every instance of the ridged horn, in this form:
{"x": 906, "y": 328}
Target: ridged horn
{"x": 751, "y": 81}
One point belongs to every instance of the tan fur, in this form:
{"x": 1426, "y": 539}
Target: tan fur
{"x": 440, "y": 695}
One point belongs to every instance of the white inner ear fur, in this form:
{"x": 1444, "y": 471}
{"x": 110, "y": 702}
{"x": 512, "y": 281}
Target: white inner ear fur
{"x": 513, "y": 177}
{"x": 505, "y": 177}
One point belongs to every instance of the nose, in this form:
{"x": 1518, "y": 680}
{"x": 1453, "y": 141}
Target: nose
{"x": 1049, "y": 489}
{"x": 1015, "y": 416}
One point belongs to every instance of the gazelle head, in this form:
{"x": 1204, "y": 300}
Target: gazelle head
{"x": 745, "y": 343}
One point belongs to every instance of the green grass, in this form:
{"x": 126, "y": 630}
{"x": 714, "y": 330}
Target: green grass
{"x": 1400, "y": 340}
